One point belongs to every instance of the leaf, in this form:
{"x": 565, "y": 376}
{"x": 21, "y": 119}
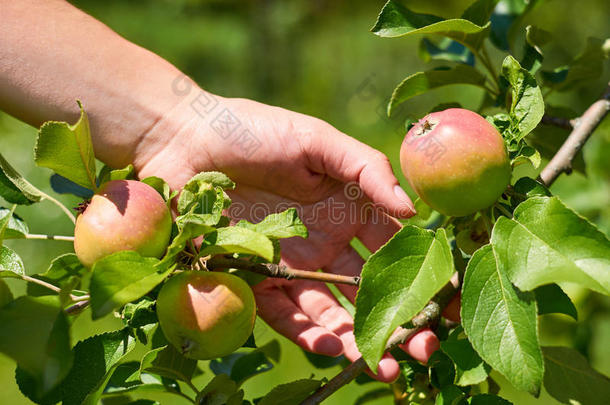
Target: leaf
{"x": 140, "y": 313}
{"x": 121, "y": 278}
{"x": 13, "y": 226}
{"x": 14, "y": 188}
{"x": 61, "y": 185}
{"x": 242, "y": 366}
{"x": 450, "y": 395}
{"x": 396, "y": 20}
{"x": 488, "y": 399}
{"x": 552, "y": 300}
{"x": 221, "y": 390}
{"x": 35, "y": 334}
{"x": 422, "y": 82}
{"x": 500, "y": 322}
{"x": 470, "y": 369}
{"x": 108, "y": 174}
{"x": 506, "y": 21}
{"x": 397, "y": 282}
{"x": 95, "y": 359}
{"x": 6, "y": 295}
{"x": 588, "y": 65}
{"x": 480, "y": 11}
{"x": 527, "y": 106}
{"x": 11, "y": 265}
{"x": 570, "y": 379}
{"x": 160, "y": 185}
{"x": 528, "y": 187}
{"x": 166, "y": 361}
{"x": 373, "y": 395}
{"x": 535, "y": 38}
{"x": 291, "y": 393}
{"x": 235, "y": 239}
{"x": 203, "y": 194}
{"x": 60, "y": 272}
{"x": 446, "y": 50}
{"x": 285, "y": 224}
{"x": 546, "y": 242}
{"x": 67, "y": 150}
{"x": 441, "y": 370}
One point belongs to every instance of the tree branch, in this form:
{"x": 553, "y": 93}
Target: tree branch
{"x": 279, "y": 271}
{"x": 424, "y": 318}
{"x": 562, "y": 161}
{"x": 559, "y": 122}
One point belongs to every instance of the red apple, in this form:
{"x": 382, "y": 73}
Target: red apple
{"x": 206, "y": 314}
{"x": 122, "y": 215}
{"x": 455, "y": 161}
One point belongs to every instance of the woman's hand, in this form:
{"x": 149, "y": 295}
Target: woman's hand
{"x": 342, "y": 189}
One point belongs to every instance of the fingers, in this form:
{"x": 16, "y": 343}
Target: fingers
{"x": 346, "y": 159}
{"x": 452, "y": 310}
{"x": 348, "y": 263}
{"x": 421, "y": 345}
{"x": 281, "y": 313}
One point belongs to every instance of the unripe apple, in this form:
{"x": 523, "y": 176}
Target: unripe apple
{"x": 206, "y": 314}
{"x": 122, "y": 215}
{"x": 455, "y": 161}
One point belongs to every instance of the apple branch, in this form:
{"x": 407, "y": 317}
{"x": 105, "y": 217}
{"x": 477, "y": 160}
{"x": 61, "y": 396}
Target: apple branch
{"x": 279, "y": 271}
{"x": 423, "y": 319}
{"x": 583, "y": 128}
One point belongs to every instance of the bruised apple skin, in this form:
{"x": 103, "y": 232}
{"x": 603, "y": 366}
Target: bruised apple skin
{"x": 206, "y": 314}
{"x": 455, "y": 161}
{"x": 122, "y": 215}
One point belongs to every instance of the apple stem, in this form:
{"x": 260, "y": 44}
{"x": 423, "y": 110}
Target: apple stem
{"x": 423, "y": 319}
{"x": 280, "y": 271}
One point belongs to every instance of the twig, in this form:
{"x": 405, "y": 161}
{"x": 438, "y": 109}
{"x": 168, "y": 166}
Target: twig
{"x": 77, "y": 308}
{"x": 426, "y": 316}
{"x": 562, "y": 161}
{"x": 50, "y": 237}
{"x": 47, "y": 285}
{"x": 279, "y": 271}
{"x": 559, "y": 122}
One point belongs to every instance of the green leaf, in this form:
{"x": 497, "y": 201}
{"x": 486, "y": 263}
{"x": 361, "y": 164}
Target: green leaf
{"x": 221, "y": 390}
{"x": 480, "y": 11}
{"x": 160, "y": 185}
{"x": 67, "y": 150}
{"x": 500, "y": 322}
{"x": 373, "y": 395}
{"x": 507, "y": 19}
{"x": 11, "y": 265}
{"x": 61, "y": 185}
{"x": 488, "y": 399}
{"x": 397, "y": 282}
{"x": 108, "y": 174}
{"x": 470, "y": 369}
{"x": 95, "y": 359}
{"x": 62, "y": 269}
{"x": 552, "y": 300}
{"x": 166, "y": 361}
{"x": 546, "y": 242}
{"x": 422, "y": 82}
{"x": 14, "y": 188}
{"x": 126, "y": 380}
{"x": 285, "y": 224}
{"x": 242, "y": 366}
{"x": 587, "y": 66}
{"x": 6, "y": 295}
{"x": 535, "y": 38}
{"x": 527, "y": 106}
{"x": 140, "y": 313}
{"x": 235, "y": 239}
{"x": 441, "y": 370}
{"x": 450, "y": 395}
{"x": 11, "y": 226}
{"x": 291, "y": 393}
{"x": 446, "y": 50}
{"x": 121, "y": 278}
{"x": 35, "y": 333}
{"x": 396, "y": 20}
{"x": 571, "y": 380}
{"x": 204, "y": 194}
{"x": 528, "y": 187}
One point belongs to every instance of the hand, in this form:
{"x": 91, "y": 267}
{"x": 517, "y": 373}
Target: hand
{"x": 289, "y": 159}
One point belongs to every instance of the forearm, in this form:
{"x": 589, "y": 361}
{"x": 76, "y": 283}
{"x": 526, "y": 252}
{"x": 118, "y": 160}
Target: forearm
{"x": 52, "y": 54}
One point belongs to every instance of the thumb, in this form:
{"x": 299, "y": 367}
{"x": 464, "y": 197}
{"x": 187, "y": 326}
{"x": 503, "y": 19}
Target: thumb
{"x": 349, "y": 160}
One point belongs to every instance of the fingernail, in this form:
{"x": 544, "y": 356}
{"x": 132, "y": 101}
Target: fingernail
{"x": 404, "y": 198}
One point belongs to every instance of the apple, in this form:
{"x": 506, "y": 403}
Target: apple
{"x": 455, "y": 161}
{"x": 122, "y": 215}
{"x": 206, "y": 314}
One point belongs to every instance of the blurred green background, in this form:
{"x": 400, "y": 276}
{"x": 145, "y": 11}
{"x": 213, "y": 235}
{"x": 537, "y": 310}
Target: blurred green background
{"x": 319, "y": 58}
